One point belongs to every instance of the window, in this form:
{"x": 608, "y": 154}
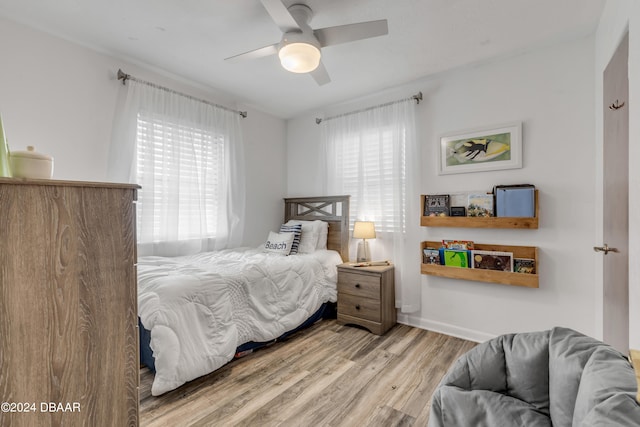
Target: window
{"x": 187, "y": 155}
{"x": 367, "y": 156}
{"x": 372, "y": 155}
{"x": 180, "y": 169}
{"x": 369, "y": 167}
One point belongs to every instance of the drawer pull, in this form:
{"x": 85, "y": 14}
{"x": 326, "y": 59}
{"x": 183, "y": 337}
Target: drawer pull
{"x": 357, "y": 306}
{"x": 358, "y": 285}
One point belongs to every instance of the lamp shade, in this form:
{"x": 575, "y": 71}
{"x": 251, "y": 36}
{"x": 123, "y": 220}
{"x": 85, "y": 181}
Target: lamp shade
{"x": 364, "y": 230}
{"x": 299, "y": 57}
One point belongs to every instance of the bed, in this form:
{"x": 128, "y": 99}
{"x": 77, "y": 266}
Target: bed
{"x": 198, "y": 312}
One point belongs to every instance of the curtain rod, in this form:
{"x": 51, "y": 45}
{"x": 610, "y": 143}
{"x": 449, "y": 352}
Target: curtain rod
{"x": 417, "y": 97}
{"x": 124, "y": 77}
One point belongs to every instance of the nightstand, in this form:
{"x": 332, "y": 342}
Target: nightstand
{"x": 366, "y": 297}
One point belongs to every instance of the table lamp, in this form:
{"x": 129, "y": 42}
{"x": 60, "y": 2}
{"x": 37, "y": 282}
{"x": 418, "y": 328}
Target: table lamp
{"x": 364, "y": 230}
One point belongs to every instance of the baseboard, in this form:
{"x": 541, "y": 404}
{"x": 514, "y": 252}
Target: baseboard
{"x": 444, "y": 328}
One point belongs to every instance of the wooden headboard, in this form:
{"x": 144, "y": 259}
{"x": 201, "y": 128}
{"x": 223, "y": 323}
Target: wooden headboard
{"x": 332, "y": 209}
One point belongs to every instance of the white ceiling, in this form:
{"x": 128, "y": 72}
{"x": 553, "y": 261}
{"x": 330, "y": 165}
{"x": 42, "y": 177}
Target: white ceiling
{"x": 191, "y": 38}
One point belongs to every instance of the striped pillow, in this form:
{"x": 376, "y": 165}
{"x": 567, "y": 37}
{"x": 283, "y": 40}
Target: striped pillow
{"x": 296, "y": 229}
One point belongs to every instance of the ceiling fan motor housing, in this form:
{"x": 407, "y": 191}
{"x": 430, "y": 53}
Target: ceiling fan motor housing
{"x": 299, "y": 52}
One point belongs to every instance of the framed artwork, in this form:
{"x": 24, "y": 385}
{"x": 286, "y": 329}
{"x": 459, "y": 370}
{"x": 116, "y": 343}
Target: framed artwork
{"x": 487, "y": 149}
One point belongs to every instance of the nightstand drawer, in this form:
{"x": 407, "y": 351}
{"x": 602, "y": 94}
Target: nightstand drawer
{"x": 362, "y": 308}
{"x": 360, "y": 285}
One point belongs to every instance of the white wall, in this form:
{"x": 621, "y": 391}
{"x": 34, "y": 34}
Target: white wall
{"x": 618, "y": 17}
{"x": 61, "y": 97}
{"x": 551, "y": 92}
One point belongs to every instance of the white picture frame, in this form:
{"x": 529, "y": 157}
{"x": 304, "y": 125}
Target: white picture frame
{"x": 485, "y": 149}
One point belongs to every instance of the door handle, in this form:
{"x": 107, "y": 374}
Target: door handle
{"x": 605, "y": 248}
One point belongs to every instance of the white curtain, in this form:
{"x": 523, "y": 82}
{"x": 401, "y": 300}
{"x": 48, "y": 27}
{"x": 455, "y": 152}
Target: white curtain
{"x": 187, "y": 155}
{"x": 372, "y": 156}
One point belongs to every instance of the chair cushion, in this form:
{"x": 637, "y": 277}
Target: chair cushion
{"x": 527, "y": 368}
{"x": 620, "y": 410}
{"x": 513, "y": 364}
{"x": 558, "y": 377}
{"x": 569, "y": 352}
{"x": 607, "y": 374}
{"x": 482, "y": 408}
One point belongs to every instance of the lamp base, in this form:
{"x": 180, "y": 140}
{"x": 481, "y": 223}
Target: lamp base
{"x": 363, "y": 254}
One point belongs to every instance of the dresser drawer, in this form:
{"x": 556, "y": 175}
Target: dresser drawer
{"x": 363, "y": 308}
{"x": 360, "y": 285}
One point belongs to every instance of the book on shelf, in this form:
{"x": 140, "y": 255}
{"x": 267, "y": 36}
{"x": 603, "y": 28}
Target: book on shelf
{"x": 480, "y": 205}
{"x": 436, "y": 205}
{"x": 455, "y": 257}
{"x": 457, "y": 244}
{"x": 524, "y": 265}
{"x": 492, "y": 260}
{"x": 431, "y": 256}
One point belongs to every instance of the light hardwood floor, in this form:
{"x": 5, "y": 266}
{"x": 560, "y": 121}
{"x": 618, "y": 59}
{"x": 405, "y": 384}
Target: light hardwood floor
{"x": 327, "y": 375}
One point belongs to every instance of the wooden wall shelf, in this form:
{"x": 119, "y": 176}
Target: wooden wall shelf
{"x": 490, "y": 276}
{"x": 479, "y": 222}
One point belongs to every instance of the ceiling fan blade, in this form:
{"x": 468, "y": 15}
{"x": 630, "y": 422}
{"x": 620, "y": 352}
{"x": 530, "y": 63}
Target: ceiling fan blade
{"x": 320, "y": 75}
{"x": 257, "y": 53}
{"x": 280, "y": 15}
{"x": 351, "y": 32}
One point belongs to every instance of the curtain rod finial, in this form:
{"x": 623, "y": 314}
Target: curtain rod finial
{"x": 122, "y": 76}
{"x": 318, "y": 121}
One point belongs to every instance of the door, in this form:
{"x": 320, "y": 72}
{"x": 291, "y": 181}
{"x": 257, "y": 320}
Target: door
{"x": 616, "y": 200}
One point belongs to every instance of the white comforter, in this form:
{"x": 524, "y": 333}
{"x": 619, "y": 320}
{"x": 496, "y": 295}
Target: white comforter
{"x": 199, "y": 308}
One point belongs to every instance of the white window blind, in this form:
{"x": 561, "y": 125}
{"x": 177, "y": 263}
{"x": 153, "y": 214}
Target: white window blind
{"x": 181, "y": 170}
{"x": 371, "y": 161}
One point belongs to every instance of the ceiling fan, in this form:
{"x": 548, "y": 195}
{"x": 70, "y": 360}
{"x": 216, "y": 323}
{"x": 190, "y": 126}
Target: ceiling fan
{"x": 299, "y": 48}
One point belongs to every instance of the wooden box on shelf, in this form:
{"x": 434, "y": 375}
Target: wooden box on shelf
{"x": 479, "y": 222}
{"x": 491, "y": 276}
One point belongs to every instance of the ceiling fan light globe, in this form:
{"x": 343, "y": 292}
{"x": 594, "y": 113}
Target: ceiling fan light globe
{"x": 299, "y": 57}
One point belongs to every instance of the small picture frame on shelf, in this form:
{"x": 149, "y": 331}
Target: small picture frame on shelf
{"x": 436, "y": 205}
{"x": 458, "y": 211}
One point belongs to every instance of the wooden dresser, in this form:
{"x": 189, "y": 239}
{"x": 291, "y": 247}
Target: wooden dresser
{"x": 68, "y": 304}
{"x": 366, "y": 297}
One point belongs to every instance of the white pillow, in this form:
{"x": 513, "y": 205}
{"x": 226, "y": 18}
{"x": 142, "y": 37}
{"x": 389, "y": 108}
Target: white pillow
{"x": 279, "y": 242}
{"x": 317, "y": 233}
{"x": 308, "y": 238}
{"x": 323, "y": 229}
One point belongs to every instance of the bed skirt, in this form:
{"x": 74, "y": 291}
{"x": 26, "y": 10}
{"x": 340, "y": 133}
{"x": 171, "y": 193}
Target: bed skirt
{"x": 326, "y": 311}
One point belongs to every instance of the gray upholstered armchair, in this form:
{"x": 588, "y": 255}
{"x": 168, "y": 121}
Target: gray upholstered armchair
{"x": 558, "y": 377}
